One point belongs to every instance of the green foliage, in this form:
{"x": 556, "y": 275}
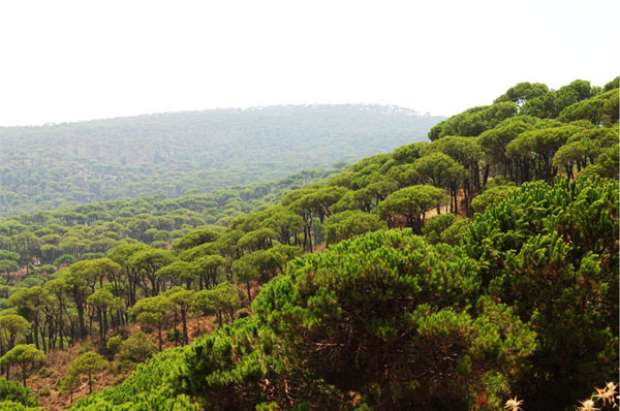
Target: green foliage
{"x": 8, "y": 266}
{"x": 434, "y": 227}
{"x": 208, "y": 269}
{"x": 615, "y": 83}
{"x": 149, "y": 388}
{"x": 552, "y": 254}
{"x": 313, "y": 311}
{"x": 494, "y": 141}
{"x": 257, "y": 239}
{"x": 492, "y": 197}
{"x": 455, "y": 232}
{"x": 113, "y": 344}
{"x": 69, "y": 383}
{"x": 411, "y": 203}
{"x": 348, "y": 224}
{"x": 221, "y": 378}
{"x": 11, "y": 391}
{"x": 63, "y": 236}
{"x": 13, "y": 329}
{"x": 474, "y": 121}
{"x": 16, "y": 406}
{"x": 177, "y": 153}
{"x": 87, "y": 363}
{"x": 520, "y": 299}
{"x": 154, "y": 312}
{"x": 551, "y": 104}
{"x": 409, "y": 153}
{"x": 438, "y": 169}
{"x": 606, "y": 164}
{"x": 222, "y": 300}
{"x": 534, "y": 150}
{"x": 600, "y": 109}
{"x": 177, "y": 272}
{"x": 136, "y": 349}
{"x": 24, "y": 356}
{"x": 523, "y": 92}
{"x": 195, "y": 238}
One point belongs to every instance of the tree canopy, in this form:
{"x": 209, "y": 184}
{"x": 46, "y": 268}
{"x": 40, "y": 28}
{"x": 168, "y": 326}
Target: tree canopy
{"x": 455, "y": 273}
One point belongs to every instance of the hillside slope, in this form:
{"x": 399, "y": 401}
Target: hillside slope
{"x": 452, "y": 274}
{"x": 463, "y": 315}
{"x": 171, "y": 153}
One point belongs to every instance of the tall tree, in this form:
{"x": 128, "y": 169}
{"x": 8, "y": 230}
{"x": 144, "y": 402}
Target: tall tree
{"x": 182, "y": 299}
{"x": 147, "y": 262}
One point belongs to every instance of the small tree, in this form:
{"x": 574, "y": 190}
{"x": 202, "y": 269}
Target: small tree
{"x": 246, "y": 271}
{"x": 8, "y": 266}
{"x": 25, "y": 356}
{"x": 147, "y": 262}
{"x": 154, "y": 312}
{"x": 113, "y": 345}
{"x": 88, "y": 363}
{"x": 207, "y": 268}
{"x": 13, "y": 327}
{"x": 104, "y": 302}
{"x": 30, "y": 303}
{"x": 176, "y": 273}
{"x": 412, "y": 203}
{"x": 69, "y": 384}
{"x": 221, "y": 300}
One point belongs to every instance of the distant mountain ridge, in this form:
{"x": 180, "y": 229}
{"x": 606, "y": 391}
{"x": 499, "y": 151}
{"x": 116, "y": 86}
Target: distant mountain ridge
{"x": 172, "y": 153}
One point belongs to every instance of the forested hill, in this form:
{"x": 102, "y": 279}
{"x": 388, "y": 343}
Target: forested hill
{"x": 172, "y": 153}
{"x": 476, "y": 271}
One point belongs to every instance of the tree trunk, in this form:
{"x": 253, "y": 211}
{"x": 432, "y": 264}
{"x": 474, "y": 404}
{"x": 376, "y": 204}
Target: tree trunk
{"x": 387, "y": 402}
{"x": 486, "y": 175}
{"x": 101, "y": 330}
{"x": 247, "y": 284}
{"x": 105, "y": 322}
{"x": 61, "y": 325}
{"x": 184, "y": 320}
{"x": 35, "y": 331}
{"x": 80, "y": 310}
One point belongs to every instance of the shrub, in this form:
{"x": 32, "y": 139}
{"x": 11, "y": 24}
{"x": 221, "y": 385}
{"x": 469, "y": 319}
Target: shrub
{"x": 137, "y": 348}
{"x": 12, "y": 391}
{"x": 114, "y": 344}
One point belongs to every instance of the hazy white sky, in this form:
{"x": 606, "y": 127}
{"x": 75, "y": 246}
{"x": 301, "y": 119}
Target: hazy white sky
{"x": 76, "y": 60}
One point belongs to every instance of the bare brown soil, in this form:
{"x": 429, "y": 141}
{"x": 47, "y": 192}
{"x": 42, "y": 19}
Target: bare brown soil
{"x": 45, "y": 383}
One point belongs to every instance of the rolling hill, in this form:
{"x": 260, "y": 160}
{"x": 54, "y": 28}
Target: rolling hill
{"x": 173, "y": 153}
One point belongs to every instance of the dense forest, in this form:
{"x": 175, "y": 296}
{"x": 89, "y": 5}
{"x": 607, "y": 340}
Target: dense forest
{"x": 37, "y": 244}
{"x": 474, "y": 271}
{"x": 174, "y": 153}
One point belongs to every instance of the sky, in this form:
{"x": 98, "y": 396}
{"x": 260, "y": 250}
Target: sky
{"x": 77, "y": 60}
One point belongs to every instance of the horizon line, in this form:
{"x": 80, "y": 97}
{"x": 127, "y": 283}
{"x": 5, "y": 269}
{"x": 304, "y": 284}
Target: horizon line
{"x": 229, "y": 108}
